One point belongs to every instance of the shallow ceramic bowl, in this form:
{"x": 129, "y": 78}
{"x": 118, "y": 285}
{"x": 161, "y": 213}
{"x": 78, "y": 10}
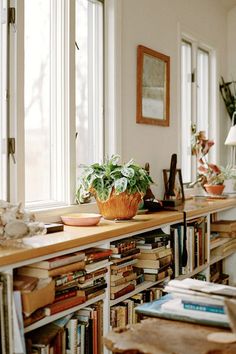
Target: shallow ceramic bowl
{"x": 81, "y": 219}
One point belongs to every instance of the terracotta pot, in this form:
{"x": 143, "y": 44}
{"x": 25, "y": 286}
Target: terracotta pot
{"x": 216, "y": 189}
{"x": 121, "y": 206}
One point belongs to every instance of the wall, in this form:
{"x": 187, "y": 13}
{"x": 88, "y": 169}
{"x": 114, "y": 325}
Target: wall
{"x": 155, "y": 24}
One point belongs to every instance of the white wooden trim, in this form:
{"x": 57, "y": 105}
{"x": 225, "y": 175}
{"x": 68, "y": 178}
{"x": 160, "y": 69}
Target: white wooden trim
{"x": 113, "y": 83}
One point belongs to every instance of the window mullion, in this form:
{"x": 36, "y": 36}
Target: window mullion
{"x": 16, "y": 104}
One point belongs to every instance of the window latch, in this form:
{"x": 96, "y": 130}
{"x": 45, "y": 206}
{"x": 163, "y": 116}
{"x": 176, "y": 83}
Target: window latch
{"x": 12, "y": 17}
{"x": 12, "y": 148}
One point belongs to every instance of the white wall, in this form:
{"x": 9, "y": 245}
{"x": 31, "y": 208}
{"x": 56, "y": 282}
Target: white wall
{"x": 155, "y": 23}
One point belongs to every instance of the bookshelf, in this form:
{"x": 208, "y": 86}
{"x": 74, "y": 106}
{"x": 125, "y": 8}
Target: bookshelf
{"x": 74, "y": 239}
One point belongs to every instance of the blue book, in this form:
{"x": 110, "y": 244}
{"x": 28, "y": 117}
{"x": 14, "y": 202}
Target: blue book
{"x": 154, "y": 309}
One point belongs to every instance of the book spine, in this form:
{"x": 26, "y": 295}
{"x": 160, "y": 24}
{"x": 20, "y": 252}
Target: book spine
{"x": 66, "y": 269}
{"x": 63, "y": 305}
{"x": 122, "y": 292}
{"x": 204, "y": 308}
{"x": 69, "y": 277}
{"x": 65, "y": 261}
{"x": 65, "y": 296}
{"x": 91, "y": 290}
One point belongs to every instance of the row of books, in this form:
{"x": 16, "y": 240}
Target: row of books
{"x": 124, "y": 313}
{"x": 75, "y": 278}
{"x": 189, "y": 245}
{"x": 137, "y": 259}
{"x": 77, "y": 333}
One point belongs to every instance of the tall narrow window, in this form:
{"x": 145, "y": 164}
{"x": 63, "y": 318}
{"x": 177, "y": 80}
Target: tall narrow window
{"x": 3, "y": 99}
{"x": 195, "y": 100}
{"x": 46, "y": 120}
{"x": 186, "y": 105}
{"x": 89, "y": 81}
{"x": 202, "y": 90}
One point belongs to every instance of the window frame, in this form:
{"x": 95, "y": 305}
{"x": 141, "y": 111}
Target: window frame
{"x": 112, "y": 140}
{"x": 197, "y": 44}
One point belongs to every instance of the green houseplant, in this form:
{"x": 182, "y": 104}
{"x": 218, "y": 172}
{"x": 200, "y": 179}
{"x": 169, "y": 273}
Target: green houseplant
{"x": 118, "y": 188}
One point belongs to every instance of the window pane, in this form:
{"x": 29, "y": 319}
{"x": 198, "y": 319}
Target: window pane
{"x": 3, "y": 102}
{"x": 202, "y": 90}
{"x": 37, "y": 100}
{"x": 186, "y": 51}
{"x": 89, "y": 82}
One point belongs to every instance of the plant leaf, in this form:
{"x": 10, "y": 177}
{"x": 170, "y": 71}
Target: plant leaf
{"x": 121, "y": 185}
{"x": 127, "y": 172}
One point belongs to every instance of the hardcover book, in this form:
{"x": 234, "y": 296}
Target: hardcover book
{"x": 155, "y": 255}
{"x": 91, "y": 289}
{"x": 63, "y": 305}
{"x": 128, "y": 253}
{"x": 46, "y": 273}
{"x": 59, "y": 261}
{"x": 122, "y": 292}
{"x": 146, "y": 263}
{"x": 95, "y": 254}
{"x": 156, "y": 309}
{"x": 117, "y": 288}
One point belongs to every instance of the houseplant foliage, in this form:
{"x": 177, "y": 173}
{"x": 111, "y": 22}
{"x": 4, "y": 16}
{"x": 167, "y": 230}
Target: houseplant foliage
{"x": 208, "y": 174}
{"x": 113, "y": 183}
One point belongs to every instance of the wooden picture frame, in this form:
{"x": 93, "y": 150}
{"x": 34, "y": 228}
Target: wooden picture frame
{"x": 153, "y": 87}
{"x": 179, "y": 188}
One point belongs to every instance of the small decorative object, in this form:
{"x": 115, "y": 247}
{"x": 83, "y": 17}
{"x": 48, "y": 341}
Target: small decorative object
{"x": 174, "y": 191}
{"x": 16, "y": 223}
{"x": 210, "y": 176}
{"x": 81, "y": 219}
{"x": 228, "y": 93}
{"x": 118, "y": 189}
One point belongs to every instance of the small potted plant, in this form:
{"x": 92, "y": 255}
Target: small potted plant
{"x": 118, "y": 189}
{"x": 211, "y": 176}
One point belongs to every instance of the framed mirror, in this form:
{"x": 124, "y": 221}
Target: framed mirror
{"x": 153, "y": 87}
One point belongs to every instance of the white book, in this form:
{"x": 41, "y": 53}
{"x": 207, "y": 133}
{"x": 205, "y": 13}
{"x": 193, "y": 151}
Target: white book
{"x": 176, "y": 306}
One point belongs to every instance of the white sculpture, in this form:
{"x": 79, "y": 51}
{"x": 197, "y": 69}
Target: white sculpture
{"x": 16, "y": 223}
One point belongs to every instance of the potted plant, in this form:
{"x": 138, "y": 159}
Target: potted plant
{"x": 118, "y": 189}
{"x": 211, "y": 176}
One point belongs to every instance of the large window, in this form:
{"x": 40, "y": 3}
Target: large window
{"x": 3, "y": 99}
{"x": 196, "y": 90}
{"x": 57, "y": 108}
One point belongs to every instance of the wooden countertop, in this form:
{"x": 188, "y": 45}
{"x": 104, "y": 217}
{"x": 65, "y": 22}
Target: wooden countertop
{"x": 75, "y": 237}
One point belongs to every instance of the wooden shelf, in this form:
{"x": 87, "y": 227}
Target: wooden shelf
{"x": 196, "y": 271}
{"x": 219, "y": 258}
{"x": 145, "y": 285}
{"x": 49, "y": 319}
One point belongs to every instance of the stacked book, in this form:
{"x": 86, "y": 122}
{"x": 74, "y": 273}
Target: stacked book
{"x": 77, "y": 277}
{"x": 199, "y": 300}
{"x": 155, "y": 256}
{"x": 64, "y": 272}
{"x": 93, "y": 283}
{"x": 194, "y": 301}
{"x": 123, "y": 276}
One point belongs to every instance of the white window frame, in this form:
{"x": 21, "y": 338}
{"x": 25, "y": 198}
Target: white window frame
{"x": 212, "y": 114}
{"x": 112, "y": 90}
